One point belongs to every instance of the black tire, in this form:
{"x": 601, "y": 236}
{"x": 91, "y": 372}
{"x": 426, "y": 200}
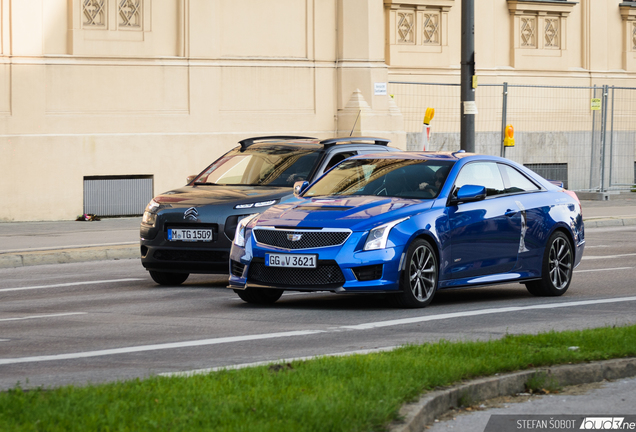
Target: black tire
{"x": 259, "y": 295}
{"x": 166, "y": 278}
{"x": 556, "y": 269}
{"x": 420, "y": 276}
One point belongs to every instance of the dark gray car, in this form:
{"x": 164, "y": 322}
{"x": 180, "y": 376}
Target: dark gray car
{"x": 190, "y": 229}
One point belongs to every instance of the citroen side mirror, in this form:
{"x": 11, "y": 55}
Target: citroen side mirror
{"x": 300, "y": 187}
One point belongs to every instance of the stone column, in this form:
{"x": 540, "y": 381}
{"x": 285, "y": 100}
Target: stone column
{"x": 364, "y": 103}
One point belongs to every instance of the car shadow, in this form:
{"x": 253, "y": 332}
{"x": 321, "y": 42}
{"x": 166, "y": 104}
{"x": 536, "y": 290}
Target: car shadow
{"x": 331, "y": 301}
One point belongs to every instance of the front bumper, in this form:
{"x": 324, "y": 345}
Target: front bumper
{"x": 341, "y": 269}
{"x": 160, "y": 254}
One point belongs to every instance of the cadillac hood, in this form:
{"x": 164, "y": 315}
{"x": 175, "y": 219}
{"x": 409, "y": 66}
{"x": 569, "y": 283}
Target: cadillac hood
{"x": 356, "y": 213}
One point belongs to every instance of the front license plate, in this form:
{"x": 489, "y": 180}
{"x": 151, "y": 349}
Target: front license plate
{"x": 285, "y": 260}
{"x": 190, "y": 235}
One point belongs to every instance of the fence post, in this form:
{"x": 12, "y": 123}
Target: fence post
{"x": 592, "y": 142}
{"x": 603, "y": 134}
{"x": 612, "y": 138}
{"x": 504, "y": 115}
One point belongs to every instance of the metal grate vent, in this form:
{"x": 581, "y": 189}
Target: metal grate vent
{"x": 326, "y": 275}
{"x": 300, "y": 239}
{"x": 117, "y": 195}
{"x": 551, "y": 171}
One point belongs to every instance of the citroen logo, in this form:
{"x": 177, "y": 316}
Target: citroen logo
{"x": 191, "y": 214}
{"x": 294, "y": 237}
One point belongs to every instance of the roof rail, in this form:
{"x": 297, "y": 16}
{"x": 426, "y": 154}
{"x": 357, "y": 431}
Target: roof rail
{"x": 249, "y": 141}
{"x": 333, "y": 141}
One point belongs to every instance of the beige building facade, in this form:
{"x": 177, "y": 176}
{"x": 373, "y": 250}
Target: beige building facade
{"x": 158, "y": 89}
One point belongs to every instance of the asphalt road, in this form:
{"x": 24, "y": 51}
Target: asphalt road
{"x": 106, "y": 320}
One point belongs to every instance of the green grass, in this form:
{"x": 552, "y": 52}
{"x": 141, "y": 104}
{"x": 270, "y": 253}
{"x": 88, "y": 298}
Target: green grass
{"x": 354, "y": 393}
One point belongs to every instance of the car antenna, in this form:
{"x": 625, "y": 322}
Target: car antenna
{"x": 355, "y": 123}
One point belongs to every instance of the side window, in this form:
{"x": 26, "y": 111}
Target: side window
{"x": 515, "y": 181}
{"x": 481, "y": 174}
{"x": 336, "y": 158}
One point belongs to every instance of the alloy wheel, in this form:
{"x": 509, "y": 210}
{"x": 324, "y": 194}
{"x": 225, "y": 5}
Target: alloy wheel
{"x": 422, "y": 273}
{"x": 560, "y": 262}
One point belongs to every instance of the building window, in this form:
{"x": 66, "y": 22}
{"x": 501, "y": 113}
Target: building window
{"x": 528, "y": 33}
{"x": 552, "y": 33}
{"x": 94, "y": 13}
{"x": 406, "y": 33}
{"x": 130, "y": 14}
{"x": 431, "y": 28}
{"x": 417, "y": 27}
{"x": 628, "y": 13}
{"x": 540, "y": 33}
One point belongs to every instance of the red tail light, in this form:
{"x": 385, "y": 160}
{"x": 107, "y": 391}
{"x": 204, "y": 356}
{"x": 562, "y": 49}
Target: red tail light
{"x": 576, "y": 198}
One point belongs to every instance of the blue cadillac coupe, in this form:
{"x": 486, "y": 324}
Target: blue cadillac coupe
{"x": 410, "y": 224}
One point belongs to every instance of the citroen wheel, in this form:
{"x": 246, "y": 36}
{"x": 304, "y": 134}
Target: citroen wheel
{"x": 167, "y": 278}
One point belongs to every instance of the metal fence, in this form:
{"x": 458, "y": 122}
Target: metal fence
{"x": 584, "y": 136}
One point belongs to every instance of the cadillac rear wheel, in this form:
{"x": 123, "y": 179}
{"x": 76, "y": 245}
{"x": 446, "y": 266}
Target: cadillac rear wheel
{"x": 557, "y": 267}
{"x": 420, "y": 276}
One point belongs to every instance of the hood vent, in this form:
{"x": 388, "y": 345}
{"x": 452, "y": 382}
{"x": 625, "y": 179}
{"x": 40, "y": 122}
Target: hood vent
{"x": 322, "y": 208}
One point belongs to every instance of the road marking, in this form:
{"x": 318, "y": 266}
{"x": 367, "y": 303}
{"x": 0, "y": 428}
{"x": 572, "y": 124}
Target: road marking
{"x": 603, "y": 269}
{"x": 162, "y": 346}
{"x": 607, "y": 256}
{"x": 70, "y": 284}
{"x": 43, "y": 316}
{"x": 365, "y": 326}
{"x": 414, "y": 320}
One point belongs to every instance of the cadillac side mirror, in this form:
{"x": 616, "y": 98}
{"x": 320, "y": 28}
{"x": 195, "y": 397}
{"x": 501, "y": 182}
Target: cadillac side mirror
{"x": 190, "y": 178}
{"x": 300, "y": 187}
{"x": 470, "y": 193}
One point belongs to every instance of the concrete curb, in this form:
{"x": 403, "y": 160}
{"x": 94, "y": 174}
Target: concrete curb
{"x": 609, "y": 222}
{"x": 61, "y": 256}
{"x": 416, "y": 416}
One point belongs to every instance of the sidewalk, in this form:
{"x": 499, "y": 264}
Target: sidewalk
{"x": 35, "y": 243}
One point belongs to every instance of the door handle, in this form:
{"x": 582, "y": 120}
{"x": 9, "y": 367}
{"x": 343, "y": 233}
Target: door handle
{"x": 511, "y": 212}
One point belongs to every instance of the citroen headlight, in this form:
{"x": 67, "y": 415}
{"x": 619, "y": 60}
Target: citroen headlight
{"x": 258, "y": 204}
{"x": 150, "y": 214}
{"x": 239, "y": 237}
{"x": 378, "y": 236}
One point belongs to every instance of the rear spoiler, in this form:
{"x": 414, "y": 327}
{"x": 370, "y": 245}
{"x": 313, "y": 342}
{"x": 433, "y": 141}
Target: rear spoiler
{"x": 558, "y": 183}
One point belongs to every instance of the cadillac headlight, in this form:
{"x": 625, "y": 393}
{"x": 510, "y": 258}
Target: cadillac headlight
{"x": 239, "y": 237}
{"x": 378, "y": 236}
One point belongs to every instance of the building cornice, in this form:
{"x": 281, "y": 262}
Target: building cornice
{"x": 628, "y": 11}
{"x": 420, "y": 4}
{"x": 562, "y": 7}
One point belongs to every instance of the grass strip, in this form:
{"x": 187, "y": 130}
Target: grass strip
{"x": 354, "y": 393}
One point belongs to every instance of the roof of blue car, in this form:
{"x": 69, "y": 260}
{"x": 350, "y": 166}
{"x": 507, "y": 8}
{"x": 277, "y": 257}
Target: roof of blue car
{"x": 424, "y": 155}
